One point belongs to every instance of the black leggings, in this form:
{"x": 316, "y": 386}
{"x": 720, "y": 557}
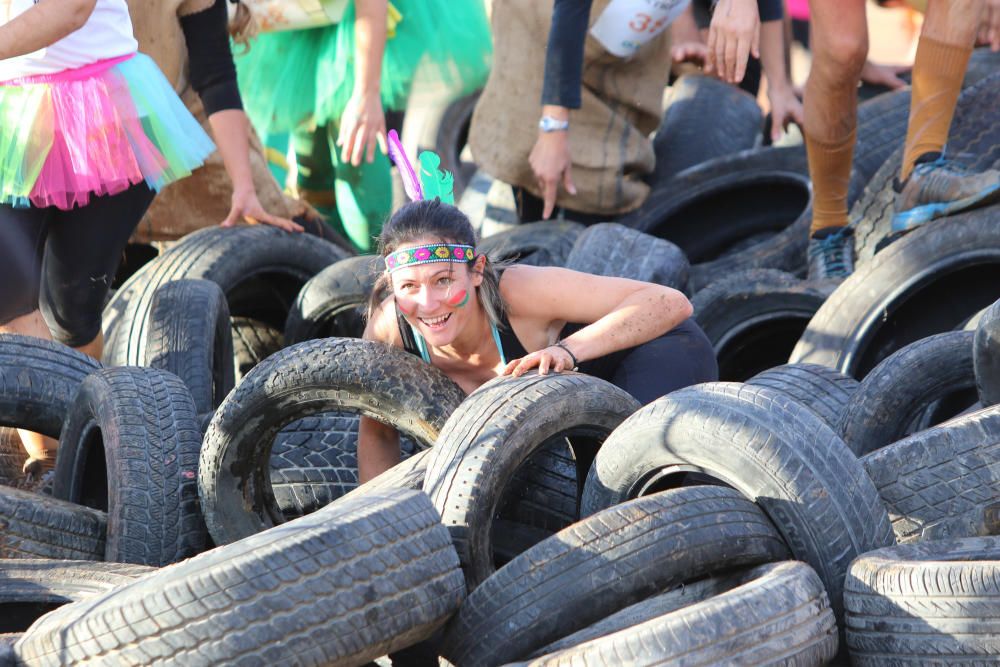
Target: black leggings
{"x": 63, "y": 262}
{"x": 679, "y": 358}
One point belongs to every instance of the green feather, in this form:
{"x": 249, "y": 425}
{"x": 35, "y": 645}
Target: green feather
{"x": 433, "y": 181}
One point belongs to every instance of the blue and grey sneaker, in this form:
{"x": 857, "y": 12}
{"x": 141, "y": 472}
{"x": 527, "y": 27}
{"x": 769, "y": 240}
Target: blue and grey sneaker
{"x": 831, "y": 253}
{"x": 938, "y": 187}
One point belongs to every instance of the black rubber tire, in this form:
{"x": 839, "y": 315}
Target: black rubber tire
{"x": 764, "y": 444}
{"x": 318, "y": 376}
{"x": 703, "y": 119}
{"x": 823, "y": 390}
{"x": 407, "y": 474}
{"x": 932, "y": 280}
{"x": 933, "y": 603}
{"x": 717, "y": 206}
{"x": 253, "y": 342}
{"x": 30, "y": 588}
{"x": 782, "y": 617}
{"x": 260, "y": 269}
{"x": 38, "y": 380}
{"x": 753, "y": 319}
{"x": 314, "y": 461}
{"x": 36, "y": 526}
{"x": 333, "y": 302}
{"x": 494, "y": 431}
{"x": 605, "y": 563}
{"x": 544, "y": 492}
{"x": 189, "y": 335}
{"x": 940, "y": 483}
{"x": 546, "y": 243}
{"x": 130, "y": 448}
{"x": 986, "y": 356}
{"x": 610, "y": 249}
{"x": 340, "y": 586}
{"x": 974, "y": 139}
{"x": 932, "y": 373}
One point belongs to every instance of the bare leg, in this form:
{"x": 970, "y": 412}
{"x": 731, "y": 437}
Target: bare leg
{"x": 840, "y": 47}
{"x": 41, "y": 449}
{"x": 943, "y": 52}
{"x": 378, "y": 449}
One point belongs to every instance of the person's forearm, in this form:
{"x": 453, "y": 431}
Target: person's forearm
{"x": 378, "y": 448}
{"x": 231, "y": 131}
{"x": 369, "y": 35}
{"x": 772, "y": 55}
{"x": 641, "y": 317}
{"x": 42, "y": 25}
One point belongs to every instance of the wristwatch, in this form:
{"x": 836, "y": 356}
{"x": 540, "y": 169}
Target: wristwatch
{"x": 550, "y": 124}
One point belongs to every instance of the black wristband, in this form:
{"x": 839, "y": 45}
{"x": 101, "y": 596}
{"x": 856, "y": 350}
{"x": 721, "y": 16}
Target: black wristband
{"x": 572, "y": 356}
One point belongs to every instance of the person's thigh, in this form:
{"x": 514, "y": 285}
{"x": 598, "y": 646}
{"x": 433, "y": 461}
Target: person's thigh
{"x": 22, "y": 240}
{"x": 679, "y": 358}
{"x": 82, "y": 255}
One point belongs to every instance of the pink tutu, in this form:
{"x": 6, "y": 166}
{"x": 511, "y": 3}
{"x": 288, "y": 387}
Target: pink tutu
{"x": 97, "y": 130}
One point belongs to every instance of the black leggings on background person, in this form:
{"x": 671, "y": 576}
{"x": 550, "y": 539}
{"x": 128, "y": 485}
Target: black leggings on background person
{"x": 63, "y": 262}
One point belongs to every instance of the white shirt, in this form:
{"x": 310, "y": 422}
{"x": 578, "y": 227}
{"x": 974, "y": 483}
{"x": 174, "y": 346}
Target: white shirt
{"x": 107, "y": 34}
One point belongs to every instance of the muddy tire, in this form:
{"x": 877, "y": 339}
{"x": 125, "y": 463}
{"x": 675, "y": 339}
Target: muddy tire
{"x": 130, "y": 448}
{"x": 606, "y": 563}
{"x": 259, "y": 268}
{"x": 610, "y": 249}
{"x": 754, "y": 318}
{"x": 940, "y": 483}
{"x": 30, "y": 588}
{"x": 494, "y": 431}
{"x": 931, "y": 374}
{"x": 767, "y": 446}
{"x": 341, "y": 586}
{"x": 931, "y": 281}
{"x": 253, "y": 342}
{"x": 986, "y": 356}
{"x": 823, "y": 390}
{"x": 546, "y": 243}
{"x": 333, "y": 302}
{"x": 782, "y": 616}
{"x": 319, "y": 376}
{"x": 919, "y": 604}
{"x": 38, "y": 380}
{"x": 36, "y": 526}
{"x": 189, "y": 335}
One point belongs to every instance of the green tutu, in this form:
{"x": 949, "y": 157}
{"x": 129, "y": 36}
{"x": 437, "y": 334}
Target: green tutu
{"x": 306, "y": 77}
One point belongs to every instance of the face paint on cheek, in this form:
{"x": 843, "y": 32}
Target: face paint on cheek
{"x": 408, "y": 309}
{"x": 459, "y": 300}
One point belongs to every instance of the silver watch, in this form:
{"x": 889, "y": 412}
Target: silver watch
{"x": 550, "y": 124}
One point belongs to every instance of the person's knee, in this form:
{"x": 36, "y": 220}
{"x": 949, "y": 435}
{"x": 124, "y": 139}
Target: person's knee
{"x": 69, "y": 327}
{"x": 841, "y": 56}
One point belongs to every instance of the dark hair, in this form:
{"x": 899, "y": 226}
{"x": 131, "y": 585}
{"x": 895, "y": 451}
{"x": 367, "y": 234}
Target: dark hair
{"x": 447, "y": 224}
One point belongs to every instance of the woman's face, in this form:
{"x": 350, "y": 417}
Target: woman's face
{"x": 437, "y": 299}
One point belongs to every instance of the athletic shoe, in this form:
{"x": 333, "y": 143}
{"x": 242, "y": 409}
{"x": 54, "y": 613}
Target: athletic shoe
{"x": 938, "y": 187}
{"x": 831, "y": 253}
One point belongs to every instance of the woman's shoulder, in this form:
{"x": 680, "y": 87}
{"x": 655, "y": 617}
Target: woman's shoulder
{"x": 383, "y": 325}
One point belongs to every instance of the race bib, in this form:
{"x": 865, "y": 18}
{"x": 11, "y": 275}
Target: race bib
{"x": 278, "y": 15}
{"x": 625, "y": 25}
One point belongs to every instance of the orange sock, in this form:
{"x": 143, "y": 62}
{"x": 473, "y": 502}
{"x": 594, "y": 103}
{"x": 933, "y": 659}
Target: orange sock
{"x": 830, "y": 169}
{"x": 937, "y": 80}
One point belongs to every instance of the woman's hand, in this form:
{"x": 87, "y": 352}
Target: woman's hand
{"x": 551, "y": 161}
{"x": 989, "y": 26}
{"x": 362, "y": 127}
{"x": 689, "y": 52}
{"x": 733, "y": 35}
{"x": 884, "y": 75}
{"x": 246, "y": 207}
{"x": 785, "y": 108}
{"x": 552, "y": 357}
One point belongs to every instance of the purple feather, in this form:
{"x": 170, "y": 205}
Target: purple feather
{"x": 410, "y": 181}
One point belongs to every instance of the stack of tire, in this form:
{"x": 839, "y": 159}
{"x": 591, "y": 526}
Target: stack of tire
{"x": 835, "y": 497}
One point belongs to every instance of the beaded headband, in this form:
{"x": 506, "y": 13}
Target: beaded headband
{"x": 427, "y": 254}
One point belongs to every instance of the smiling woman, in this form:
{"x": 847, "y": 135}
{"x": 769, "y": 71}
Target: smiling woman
{"x": 476, "y": 320}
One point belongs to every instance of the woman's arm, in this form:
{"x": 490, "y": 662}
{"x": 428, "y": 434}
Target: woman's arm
{"x": 213, "y": 77}
{"x": 550, "y": 158}
{"x": 378, "y": 443}
{"x": 42, "y": 25}
{"x": 621, "y": 313}
{"x": 362, "y": 126}
{"x": 785, "y": 106}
